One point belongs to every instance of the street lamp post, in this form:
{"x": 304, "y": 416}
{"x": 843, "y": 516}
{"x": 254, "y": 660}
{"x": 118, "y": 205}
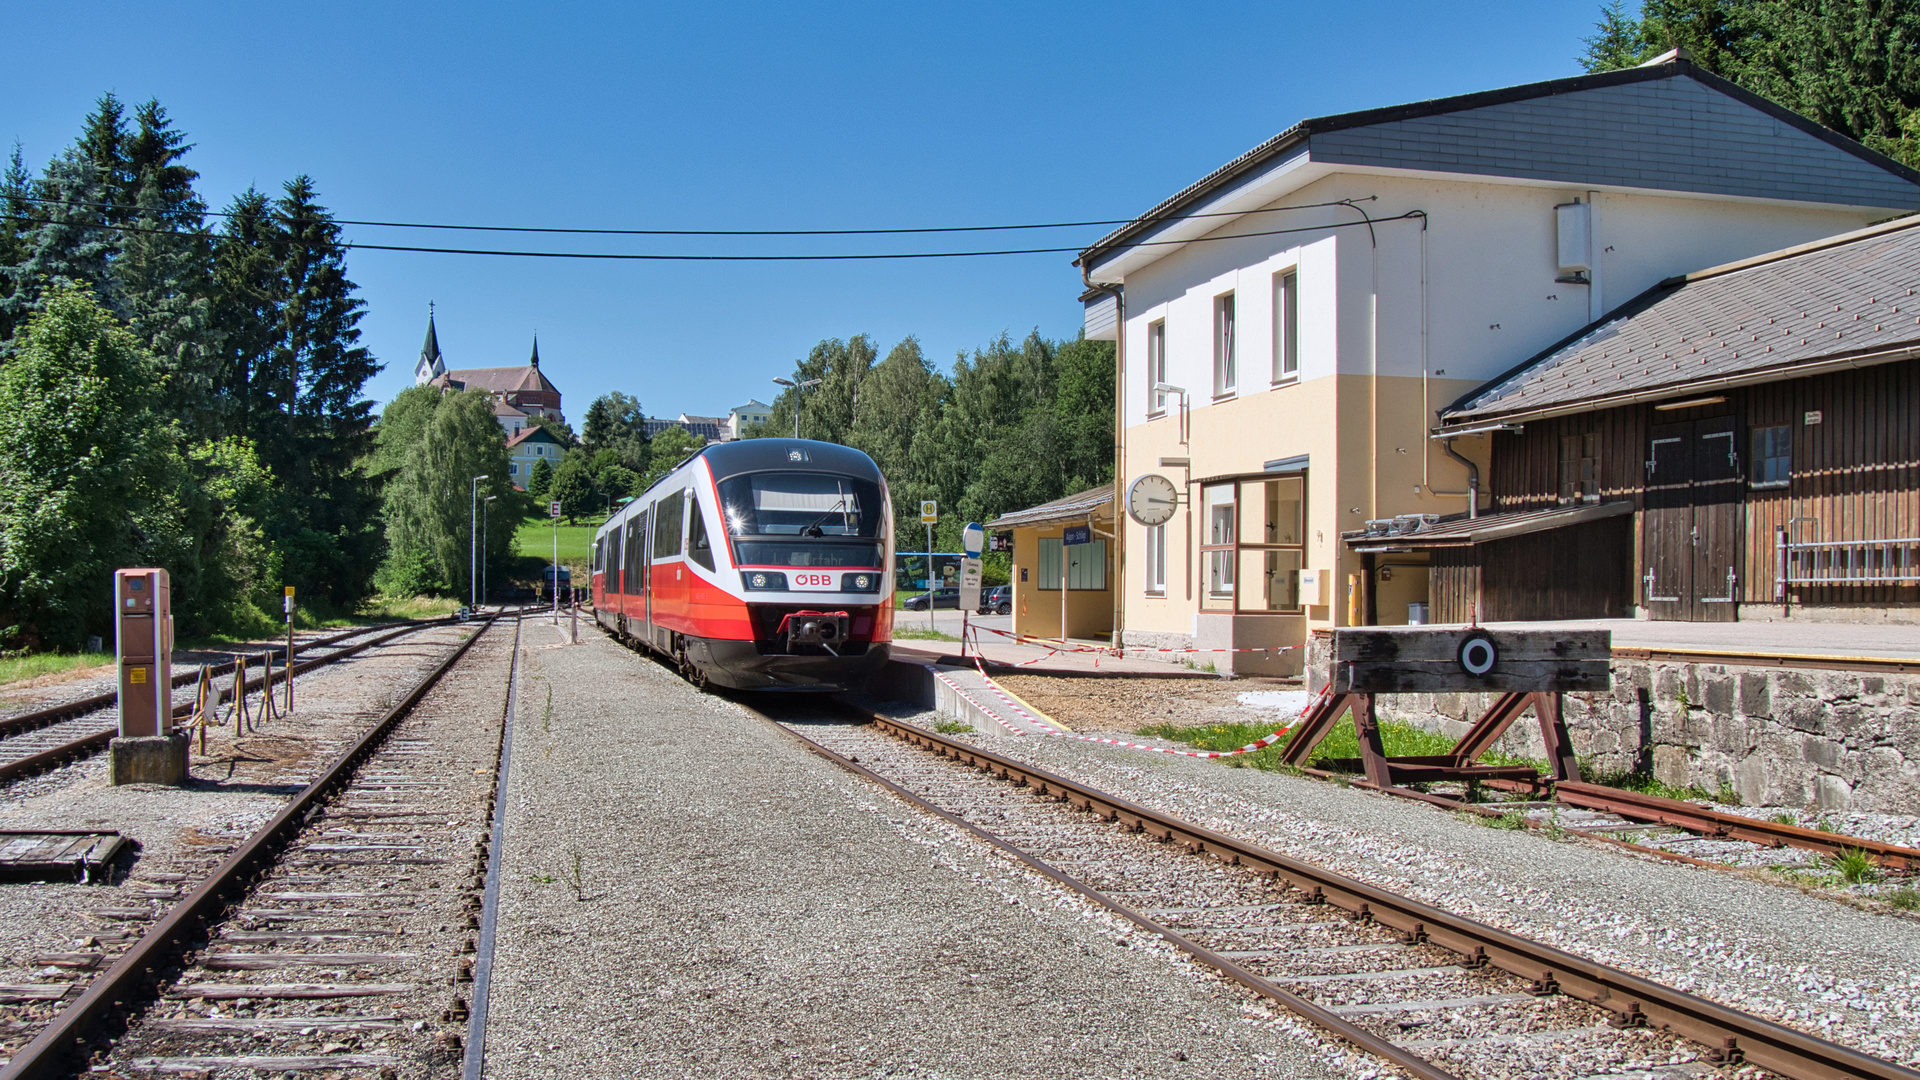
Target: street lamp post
{"x": 483, "y": 532}
{"x": 796, "y": 387}
{"x": 473, "y": 538}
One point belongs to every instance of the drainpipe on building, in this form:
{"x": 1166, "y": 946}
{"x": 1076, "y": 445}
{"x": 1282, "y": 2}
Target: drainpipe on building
{"x": 1119, "y": 443}
{"x": 1473, "y": 478}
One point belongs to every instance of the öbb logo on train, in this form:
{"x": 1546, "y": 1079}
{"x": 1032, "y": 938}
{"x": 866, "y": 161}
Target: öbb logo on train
{"x": 814, "y": 581}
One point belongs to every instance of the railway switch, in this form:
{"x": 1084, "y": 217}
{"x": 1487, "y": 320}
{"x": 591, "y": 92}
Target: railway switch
{"x": 148, "y": 750}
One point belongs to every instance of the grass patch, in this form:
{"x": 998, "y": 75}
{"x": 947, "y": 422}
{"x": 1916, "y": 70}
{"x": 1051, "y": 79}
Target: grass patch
{"x": 535, "y": 538}
{"x": 1644, "y": 783}
{"x": 1512, "y": 819}
{"x": 1903, "y": 899}
{"x": 1400, "y": 740}
{"x": 33, "y": 666}
{"x": 388, "y": 608}
{"x": 1854, "y": 867}
{"x": 920, "y": 633}
{"x": 952, "y": 727}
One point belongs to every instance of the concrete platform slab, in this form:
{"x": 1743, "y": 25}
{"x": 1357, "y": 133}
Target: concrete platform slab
{"x": 687, "y": 892}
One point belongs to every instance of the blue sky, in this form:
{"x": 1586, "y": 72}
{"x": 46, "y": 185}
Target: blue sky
{"x": 743, "y": 116}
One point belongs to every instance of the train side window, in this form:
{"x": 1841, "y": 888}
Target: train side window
{"x": 609, "y": 558}
{"x": 666, "y": 526}
{"x": 698, "y": 547}
{"x": 636, "y": 548}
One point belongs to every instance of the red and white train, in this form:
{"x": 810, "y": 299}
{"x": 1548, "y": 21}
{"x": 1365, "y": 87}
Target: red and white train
{"x": 756, "y": 564}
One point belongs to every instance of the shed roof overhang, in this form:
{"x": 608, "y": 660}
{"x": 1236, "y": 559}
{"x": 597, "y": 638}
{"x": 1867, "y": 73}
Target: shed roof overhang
{"x": 1466, "y": 532}
{"x": 1094, "y": 502}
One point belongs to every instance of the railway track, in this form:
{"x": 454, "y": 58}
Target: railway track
{"x": 45, "y": 738}
{"x": 338, "y": 936}
{"x": 1434, "y": 994}
{"x": 16, "y": 723}
{"x": 1669, "y": 828}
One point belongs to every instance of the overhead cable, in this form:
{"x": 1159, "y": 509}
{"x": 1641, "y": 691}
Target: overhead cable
{"x": 839, "y": 257}
{"x": 1146, "y": 219}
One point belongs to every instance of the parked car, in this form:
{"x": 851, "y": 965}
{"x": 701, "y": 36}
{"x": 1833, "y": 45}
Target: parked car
{"x": 997, "y": 600}
{"x": 946, "y": 596}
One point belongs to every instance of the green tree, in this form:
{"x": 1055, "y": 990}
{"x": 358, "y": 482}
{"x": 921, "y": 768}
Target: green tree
{"x": 320, "y": 422}
{"x": 669, "y": 448}
{"x": 900, "y": 399}
{"x": 615, "y": 422}
{"x": 826, "y": 410}
{"x": 540, "y": 479}
{"x": 572, "y": 489}
{"x": 90, "y": 472}
{"x": 429, "y": 512}
{"x": 617, "y": 482}
{"x": 559, "y": 429}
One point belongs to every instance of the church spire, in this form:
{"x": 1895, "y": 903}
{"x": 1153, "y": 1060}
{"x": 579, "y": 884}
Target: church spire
{"x": 536, "y": 351}
{"x": 431, "y": 365}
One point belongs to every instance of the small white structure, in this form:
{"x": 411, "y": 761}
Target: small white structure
{"x": 741, "y": 417}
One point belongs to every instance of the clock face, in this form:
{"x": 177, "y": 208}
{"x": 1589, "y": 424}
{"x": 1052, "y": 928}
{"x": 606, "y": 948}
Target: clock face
{"x": 1151, "y": 499}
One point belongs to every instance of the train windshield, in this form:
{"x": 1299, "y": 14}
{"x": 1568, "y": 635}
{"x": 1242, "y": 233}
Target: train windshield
{"x": 802, "y": 519}
{"x": 798, "y": 505}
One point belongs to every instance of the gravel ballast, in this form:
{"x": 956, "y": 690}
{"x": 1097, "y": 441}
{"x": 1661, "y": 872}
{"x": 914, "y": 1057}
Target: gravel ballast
{"x": 685, "y": 891}
{"x": 1845, "y": 974}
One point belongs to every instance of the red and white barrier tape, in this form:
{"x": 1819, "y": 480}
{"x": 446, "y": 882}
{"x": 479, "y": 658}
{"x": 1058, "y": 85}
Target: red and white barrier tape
{"x": 1049, "y": 730}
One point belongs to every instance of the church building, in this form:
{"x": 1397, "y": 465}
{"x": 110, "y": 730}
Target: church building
{"x": 518, "y": 393}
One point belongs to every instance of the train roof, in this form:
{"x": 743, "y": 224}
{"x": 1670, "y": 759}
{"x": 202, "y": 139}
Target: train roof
{"x": 767, "y": 455}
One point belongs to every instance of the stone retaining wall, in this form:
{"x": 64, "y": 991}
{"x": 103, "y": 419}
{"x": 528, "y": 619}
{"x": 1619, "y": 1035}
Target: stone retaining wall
{"x": 1842, "y": 740}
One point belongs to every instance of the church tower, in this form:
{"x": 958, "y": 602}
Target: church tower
{"x": 431, "y": 365}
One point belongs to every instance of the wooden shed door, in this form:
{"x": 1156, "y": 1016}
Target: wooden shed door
{"x": 1691, "y": 539}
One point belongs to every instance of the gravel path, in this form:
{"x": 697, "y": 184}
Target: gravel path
{"x": 743, "y": 908}
{"x": 1848, "y": 975}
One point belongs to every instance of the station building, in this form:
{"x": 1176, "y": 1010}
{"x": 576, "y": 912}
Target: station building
{"x": 1291, "y": 325}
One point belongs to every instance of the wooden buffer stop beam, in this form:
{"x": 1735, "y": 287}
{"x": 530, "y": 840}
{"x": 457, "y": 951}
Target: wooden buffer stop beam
{"x": 1528, "y": 669}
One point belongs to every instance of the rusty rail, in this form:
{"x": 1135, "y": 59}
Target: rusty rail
{"x": 1729, "y": 1035}
{"x": 1717, "y": 823}
{"x": 64, "y": 1040}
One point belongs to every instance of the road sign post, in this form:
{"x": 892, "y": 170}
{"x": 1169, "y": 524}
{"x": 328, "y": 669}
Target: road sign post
{"x": 929, "y": 514}
{"x": 289, "y": 648}
{"x": 553, "y": 511}
{"x": 972, "y": 539}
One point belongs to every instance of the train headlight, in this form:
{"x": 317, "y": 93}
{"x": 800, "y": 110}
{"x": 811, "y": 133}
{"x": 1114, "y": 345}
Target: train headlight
{"x": 767, "y": 580}
{"x": 862, "y": 582}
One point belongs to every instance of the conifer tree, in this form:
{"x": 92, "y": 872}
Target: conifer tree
{"x": 314, "y": 377}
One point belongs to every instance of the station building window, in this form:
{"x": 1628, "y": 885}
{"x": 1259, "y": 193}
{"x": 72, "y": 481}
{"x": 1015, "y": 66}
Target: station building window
{"x": 1255, "y": 544}
{"x": 1772, "y": 456}
{"x": 1286, "y": 326}
{"x": 1156, "y": 366}
{"x": 1085, "y": 565}
{"x": 1225, "y": 375}
{"x": 1157, "y": 560}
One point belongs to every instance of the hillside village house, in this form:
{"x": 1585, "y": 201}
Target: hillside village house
{"x": 1290, "y": 325}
